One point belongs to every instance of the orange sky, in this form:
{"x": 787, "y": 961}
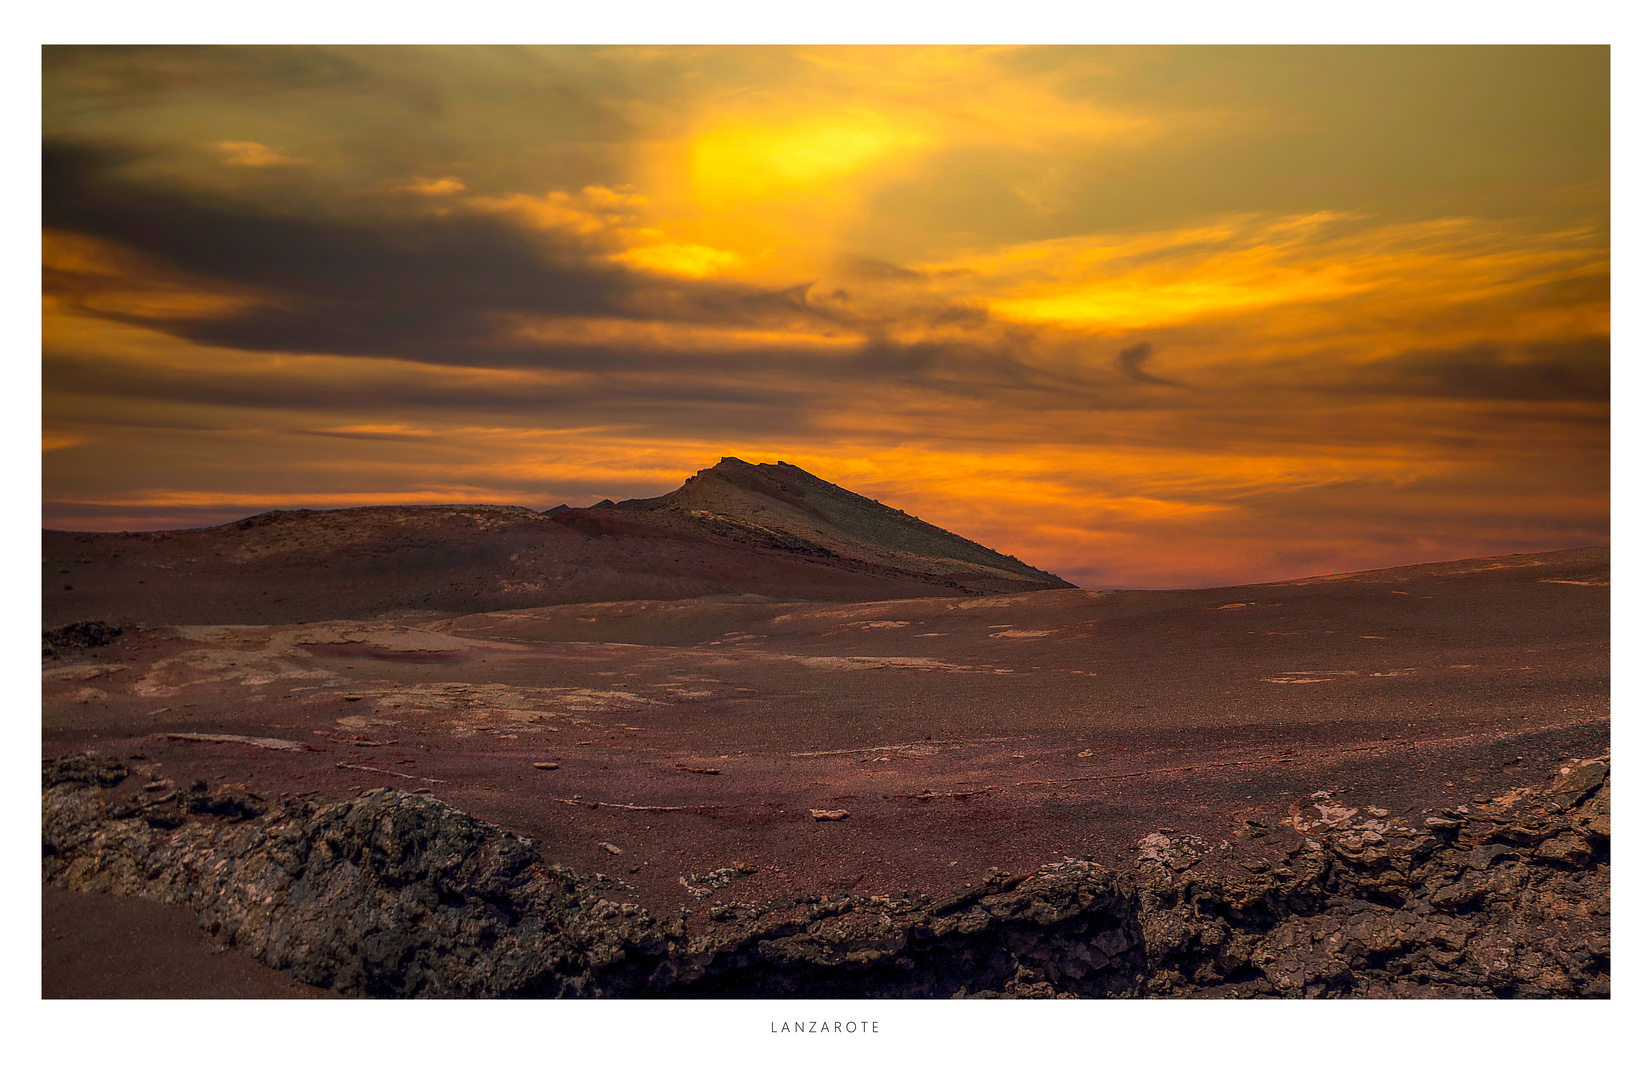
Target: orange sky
{"x": 1139, "y": 316}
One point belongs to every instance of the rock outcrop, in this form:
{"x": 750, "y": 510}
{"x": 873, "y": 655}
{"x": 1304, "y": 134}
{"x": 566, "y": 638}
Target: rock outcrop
{"x": 393, "y": 894}
{"x": 91, "y": 634}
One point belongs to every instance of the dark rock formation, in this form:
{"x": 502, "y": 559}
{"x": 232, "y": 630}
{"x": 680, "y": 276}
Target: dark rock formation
{"x": 398, "y": 895}
{"x": 77, "y": 635}
{"x": 388, "y": 895}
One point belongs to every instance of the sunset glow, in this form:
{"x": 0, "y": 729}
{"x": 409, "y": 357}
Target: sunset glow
{"x": 1142, "y": 317}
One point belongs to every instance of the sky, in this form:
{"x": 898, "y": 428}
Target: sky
{"x": 1141, "y": 316}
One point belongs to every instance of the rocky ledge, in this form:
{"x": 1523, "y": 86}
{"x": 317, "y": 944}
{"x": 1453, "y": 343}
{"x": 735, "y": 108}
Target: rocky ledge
{"x": 393, "y": 894}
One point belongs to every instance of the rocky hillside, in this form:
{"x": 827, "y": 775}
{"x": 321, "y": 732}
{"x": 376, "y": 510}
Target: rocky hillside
{"x": 736, "y": 528}
{"x": 782, "y": 506}
{"x": 393, "y": 894}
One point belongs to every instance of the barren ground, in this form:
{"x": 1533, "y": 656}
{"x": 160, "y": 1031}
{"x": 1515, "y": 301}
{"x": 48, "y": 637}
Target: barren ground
{"x": 958, "y": 734}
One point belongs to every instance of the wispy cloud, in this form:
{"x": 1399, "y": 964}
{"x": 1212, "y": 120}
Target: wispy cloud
{"x": 252, "y": 155}
{"x": 446, "y": 185}
{"x": 1130, "y": 360}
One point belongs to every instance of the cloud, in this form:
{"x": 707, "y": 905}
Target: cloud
{"x": 89, "y": 275}
{"x": 330, "y": 392}
{"x": 424, "y": 287}
{"x": 680, "y": 260}
{"x": 1579, "y": 370}
{"x": 251, "y": 155}
{"x": 1129, "y": 362}
{"x": 933, "y": 275}
{"x": 594, "y": 211}
{"x": 446, "y": 185}
{"x": 1240, "y": 265}
{"x": 419, "y": 287}
{"x": 663, "y": 338}
{"x": 607, "y": 220}
{"x": 578, "y": 281}
{"x": 127, "y": 78}
{"x": 395, "y": 432}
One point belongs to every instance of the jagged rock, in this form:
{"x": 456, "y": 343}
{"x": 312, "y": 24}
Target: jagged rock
{"x": 1581, "y": 778}
{"x": 236, "y": 804}
{"x": 387, "y": 895}
{"x": 394, "y": 894}
{"x": 99, "y": 769}
{"x": 1175, "y": 853}
{"x": 78, "y": 635}
{"x": 1569, "y": 849}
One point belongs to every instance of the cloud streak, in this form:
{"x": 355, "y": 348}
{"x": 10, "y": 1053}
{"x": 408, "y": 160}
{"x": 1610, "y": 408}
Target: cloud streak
{"x": 1130, "y": 360}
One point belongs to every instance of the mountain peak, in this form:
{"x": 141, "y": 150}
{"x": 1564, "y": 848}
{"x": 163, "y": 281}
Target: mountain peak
{"x": 782, "y": 506}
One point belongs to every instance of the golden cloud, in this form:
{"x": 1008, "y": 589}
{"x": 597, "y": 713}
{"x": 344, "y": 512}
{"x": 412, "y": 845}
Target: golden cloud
{"x": 446, "y": 185}
{"x": 253, "y": 155}
{"x": 96, "y": 277}
{"x": 658, "y": 335}
{"x": 1246, "y": 263}
{"x": 608, "y": 219}
{"x": 593, "y": 211}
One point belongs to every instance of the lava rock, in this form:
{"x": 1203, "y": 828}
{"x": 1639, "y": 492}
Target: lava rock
{"x": 395, "y": 894}
{"x": 78, "y": 635}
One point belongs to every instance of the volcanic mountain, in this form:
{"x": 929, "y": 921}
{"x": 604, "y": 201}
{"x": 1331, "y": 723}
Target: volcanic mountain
{"x": 735, "y": 528}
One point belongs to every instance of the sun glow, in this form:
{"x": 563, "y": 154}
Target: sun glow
{"x": 745, "y": 160}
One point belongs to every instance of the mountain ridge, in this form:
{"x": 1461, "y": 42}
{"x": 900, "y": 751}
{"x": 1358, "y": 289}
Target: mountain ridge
{"x": 735, "y": 528}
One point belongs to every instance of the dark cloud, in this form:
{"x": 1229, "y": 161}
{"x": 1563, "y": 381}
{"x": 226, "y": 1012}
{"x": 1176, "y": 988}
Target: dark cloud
{"x": 961, "y": 315}
{"x": 81, "y": 78}
{"x": 743, "y": 401}
{"x": 878, "y": 270}
{"x": 419, "y": 288}
{"x": 427, "y": 288}
{"x": 1579, "y": 370}
{"x": 1015, "y": 369}
{"x": 1129, "y": 362}
{"x": 433, "y": 289}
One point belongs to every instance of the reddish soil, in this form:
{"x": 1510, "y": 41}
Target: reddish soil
{"x": 97, "y": 946}
{"x": 958, "y": 733}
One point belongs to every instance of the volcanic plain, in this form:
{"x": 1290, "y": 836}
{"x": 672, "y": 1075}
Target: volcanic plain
{"x": 660, "y": 692}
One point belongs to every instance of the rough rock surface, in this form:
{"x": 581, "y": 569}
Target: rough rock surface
{"x": 393, "y": 894}
{"x": 78, "y": 635}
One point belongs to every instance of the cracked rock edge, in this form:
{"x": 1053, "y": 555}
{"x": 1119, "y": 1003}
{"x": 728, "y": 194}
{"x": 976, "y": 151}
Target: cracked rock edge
{"x": 396, "y": 894}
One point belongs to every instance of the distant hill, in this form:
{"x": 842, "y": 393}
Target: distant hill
{"x": 734, "y": 528}
{"x": 783, "y": 508}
